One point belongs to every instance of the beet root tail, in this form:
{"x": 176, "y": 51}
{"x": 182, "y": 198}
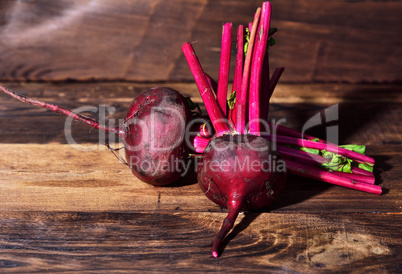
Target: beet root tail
{"x": 56, "y": 109}
{"x": 227, "y": 225}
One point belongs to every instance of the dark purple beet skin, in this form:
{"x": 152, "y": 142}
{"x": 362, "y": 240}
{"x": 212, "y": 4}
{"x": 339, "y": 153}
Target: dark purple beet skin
{"x": 155, "y": 127}
{"x": 240, "y": 172}
{"x": 153, "y": 133}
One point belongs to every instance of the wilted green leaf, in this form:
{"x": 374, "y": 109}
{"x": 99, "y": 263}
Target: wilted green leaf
{"x": 232, "y": 100}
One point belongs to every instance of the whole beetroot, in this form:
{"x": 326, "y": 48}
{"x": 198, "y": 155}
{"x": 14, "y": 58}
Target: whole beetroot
{"x": 232, "y": 173}
{"x": 153, "y": 133}
{"x": 155, "y": 126}
{"x": 240, "y": 172}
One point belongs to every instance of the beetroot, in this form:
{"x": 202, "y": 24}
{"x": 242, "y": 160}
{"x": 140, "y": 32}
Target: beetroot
{"x": 153, "y": 133}
{"x": 240, "y": 172}
{"x": 234, "y": 161}
{"x": 238, "y": 169}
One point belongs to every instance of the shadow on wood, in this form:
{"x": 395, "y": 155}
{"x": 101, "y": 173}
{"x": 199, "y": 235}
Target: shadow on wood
{"x": 248, "y": 218}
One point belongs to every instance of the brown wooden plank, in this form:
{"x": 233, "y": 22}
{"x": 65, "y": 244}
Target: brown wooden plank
{"x": 368, "y": 114}
{"x": 339, "y": 41}
{"x": 59, "y": 177}
{"x": 181, "y": 242}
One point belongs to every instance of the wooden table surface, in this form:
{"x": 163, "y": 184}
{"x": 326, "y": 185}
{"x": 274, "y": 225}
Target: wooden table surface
{"x": 64, "y": 209}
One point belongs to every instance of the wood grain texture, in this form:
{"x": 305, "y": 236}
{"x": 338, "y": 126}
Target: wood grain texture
{"x": 180, "y": 242}
{"x": 331, "y": 41}
{"x": 63, "y": 209}
{"x": 60, "y": 178}
{"x": 367, "y": 113}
